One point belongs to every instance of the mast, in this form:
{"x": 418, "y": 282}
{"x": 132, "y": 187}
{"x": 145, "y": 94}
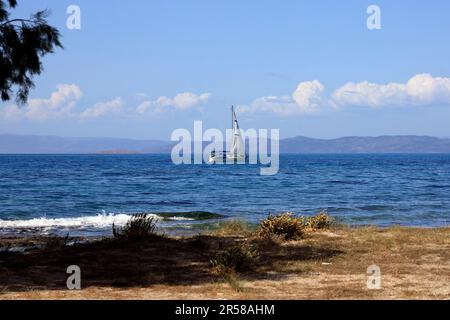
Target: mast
{"x": 233, "y": 143}
{"x": 232, "y": 118}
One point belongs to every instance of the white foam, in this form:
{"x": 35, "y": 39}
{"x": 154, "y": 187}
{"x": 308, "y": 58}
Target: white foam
{"x": 180, "y": 219}
{"x": 98, "y": 221}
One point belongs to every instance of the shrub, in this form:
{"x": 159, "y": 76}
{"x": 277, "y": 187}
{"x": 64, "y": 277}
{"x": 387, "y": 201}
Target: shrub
{"x": 320, "y": 221}
{"x": 140, "y": 226}
{"x": 237, "y": 258}
{"x": 285, "y": 226}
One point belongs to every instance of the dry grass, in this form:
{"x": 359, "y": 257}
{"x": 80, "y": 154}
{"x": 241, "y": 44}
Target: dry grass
{"x": 326, "y": 264}
{"x": 321, "y": 221}
{"x": 240, "y": 257}
{"x": 232, "y": 228}
{"x": 285, "y": 226}
{"x": 139, "y": 227}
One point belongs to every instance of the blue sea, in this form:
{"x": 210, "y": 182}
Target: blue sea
{"x": 85, "y": 194}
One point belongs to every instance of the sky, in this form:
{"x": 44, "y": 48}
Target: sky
{"x": 141, "y": 69}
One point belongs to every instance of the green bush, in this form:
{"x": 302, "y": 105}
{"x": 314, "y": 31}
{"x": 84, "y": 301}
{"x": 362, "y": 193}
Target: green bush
{"x": 285, "y": 226}
{"x": 140, "y": 226}
{"x": 235, "y": 259}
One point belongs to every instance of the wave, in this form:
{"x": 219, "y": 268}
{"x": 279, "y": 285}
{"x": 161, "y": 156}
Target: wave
{"x": 100, "y": 221}
{"x": 192, "y": 215}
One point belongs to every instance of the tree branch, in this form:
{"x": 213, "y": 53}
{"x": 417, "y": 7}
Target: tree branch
{"x": 16, "y": 20}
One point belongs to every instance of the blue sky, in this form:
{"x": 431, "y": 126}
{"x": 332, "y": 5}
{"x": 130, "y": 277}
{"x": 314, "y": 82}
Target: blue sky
{"x": 309, "y": 68}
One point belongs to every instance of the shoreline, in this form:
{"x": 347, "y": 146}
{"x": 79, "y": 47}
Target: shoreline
{"x": 328, "y": 264}
{"x": 195, "y": 227}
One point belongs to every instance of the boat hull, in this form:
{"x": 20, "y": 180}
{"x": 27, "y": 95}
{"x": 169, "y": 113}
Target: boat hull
{"x": 226, "y": 158}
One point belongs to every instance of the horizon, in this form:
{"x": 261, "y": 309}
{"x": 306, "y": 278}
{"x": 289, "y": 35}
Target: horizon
{"x": 390, "y": 144}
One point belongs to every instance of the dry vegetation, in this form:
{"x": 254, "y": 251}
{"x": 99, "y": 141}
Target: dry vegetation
{"x": 139, "y": 227}
{"x": 232, "y": 228}
{"x": 324, "y": 261}
{"x": 284, "y": 226}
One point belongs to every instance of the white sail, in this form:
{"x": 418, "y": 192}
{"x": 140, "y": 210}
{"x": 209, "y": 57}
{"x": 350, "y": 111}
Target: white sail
{"x": 237, "y": 149}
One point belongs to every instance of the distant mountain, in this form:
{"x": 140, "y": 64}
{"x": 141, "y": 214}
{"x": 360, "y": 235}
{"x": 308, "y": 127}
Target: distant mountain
{"x": 383, "y": 144}
{"x": 118, "y": 151}
{"x": 49, "y": 144}
{"x": 19, "y": 144}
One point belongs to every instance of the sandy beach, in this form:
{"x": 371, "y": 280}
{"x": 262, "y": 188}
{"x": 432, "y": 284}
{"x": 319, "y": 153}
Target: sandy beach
{"x": 330, "y": 264}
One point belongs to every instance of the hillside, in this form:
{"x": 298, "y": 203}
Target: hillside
{"x": 17, "y": 144}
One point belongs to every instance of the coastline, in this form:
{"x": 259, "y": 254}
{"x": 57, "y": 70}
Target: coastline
{"x": 328, "y": 264}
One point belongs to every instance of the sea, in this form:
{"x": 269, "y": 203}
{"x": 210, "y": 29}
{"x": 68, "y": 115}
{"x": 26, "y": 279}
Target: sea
{"x": 83, "y": 195}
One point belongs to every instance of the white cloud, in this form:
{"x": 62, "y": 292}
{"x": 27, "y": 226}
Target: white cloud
{"x": 100, "y": 109}
{"x": 420, "y": 90}
{"x": 59, "y": 104}
{"x": 181, "y": 101}
{"x": 62, "y": 103}
{"x": 308, "y": 98}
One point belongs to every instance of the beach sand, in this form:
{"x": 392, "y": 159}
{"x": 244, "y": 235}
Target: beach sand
{"x": 332, "y": 264}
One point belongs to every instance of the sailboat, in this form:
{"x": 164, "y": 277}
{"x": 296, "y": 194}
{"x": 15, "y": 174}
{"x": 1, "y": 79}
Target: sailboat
{"x": 237, "y": 148}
